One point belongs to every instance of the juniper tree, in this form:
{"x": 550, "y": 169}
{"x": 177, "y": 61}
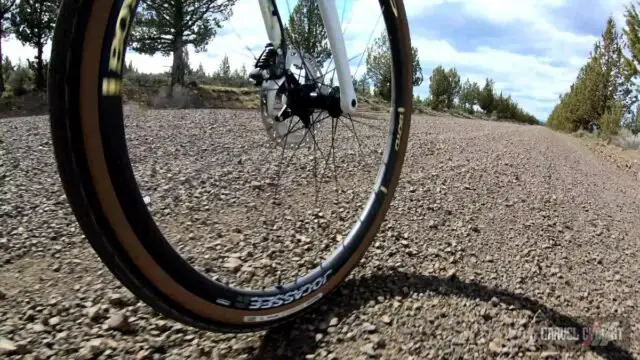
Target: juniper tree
{"x": 306, "y": 32}
{"x": 168, "y": 27}
{"x": 6, "y": 7}
{"x": 439, "y": 88}
{"x": 454, "y": 87}
{"x": 32, "y": 23}
{"x": 379, "y": 67}
{"x": 486, "y": 97}
{"x": 469, "y": 95}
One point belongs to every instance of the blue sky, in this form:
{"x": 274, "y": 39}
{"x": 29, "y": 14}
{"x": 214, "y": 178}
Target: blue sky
{"x": 531, "y": 48}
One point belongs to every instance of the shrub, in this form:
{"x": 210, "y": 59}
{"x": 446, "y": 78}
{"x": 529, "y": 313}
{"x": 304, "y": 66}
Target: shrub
{"x": 180, "y": 98}
{"x": 610, "y": 121}
{"x": 19, "y": 80}
{"x": 137, "y": 79}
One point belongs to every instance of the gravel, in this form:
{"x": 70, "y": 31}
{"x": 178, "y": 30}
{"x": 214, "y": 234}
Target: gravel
{"x": 496, "y": 229}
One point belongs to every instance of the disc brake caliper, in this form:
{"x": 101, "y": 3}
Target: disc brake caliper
{"x": 266, "y": 67}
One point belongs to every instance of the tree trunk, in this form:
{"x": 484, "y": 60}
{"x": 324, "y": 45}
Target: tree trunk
{"x": 2, "y": 87}
{"x": 40, "y": 79}
{"x": 177, "y": 69}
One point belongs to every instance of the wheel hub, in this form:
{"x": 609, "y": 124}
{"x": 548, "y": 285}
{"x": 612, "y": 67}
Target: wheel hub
{"x": 289, "y": 103}
{"x": 305, "y": 99}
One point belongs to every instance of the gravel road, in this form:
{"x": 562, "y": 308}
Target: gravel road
{"x": 497, "y": 231}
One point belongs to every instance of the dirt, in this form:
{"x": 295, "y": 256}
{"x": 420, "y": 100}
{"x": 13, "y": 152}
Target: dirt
{"x": 498, "y": 231}
{"x": 27, "y": 105}
{"x": 625, "y": 159}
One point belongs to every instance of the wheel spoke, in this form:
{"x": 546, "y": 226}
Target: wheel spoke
{"x": 365, "y": 124}
{"x": 353, "y": 131}
{"x": 367, "y": 46}
{"x": 284, "y": 148}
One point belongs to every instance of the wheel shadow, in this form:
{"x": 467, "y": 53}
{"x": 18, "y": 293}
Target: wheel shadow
{"x": 299, "y": 340}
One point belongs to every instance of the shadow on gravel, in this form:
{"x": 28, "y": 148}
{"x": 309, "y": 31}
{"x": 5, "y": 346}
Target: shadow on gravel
{"x": 297, "y": 340}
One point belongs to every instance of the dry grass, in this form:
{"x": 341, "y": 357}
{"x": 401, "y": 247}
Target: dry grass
{"x": 228, "y": 90}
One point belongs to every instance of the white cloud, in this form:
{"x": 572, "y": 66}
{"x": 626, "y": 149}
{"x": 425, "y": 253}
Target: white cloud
{"x": 535, "y": 74}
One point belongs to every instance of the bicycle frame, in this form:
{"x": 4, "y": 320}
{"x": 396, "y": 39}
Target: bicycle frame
{"x": 331, "y": 21}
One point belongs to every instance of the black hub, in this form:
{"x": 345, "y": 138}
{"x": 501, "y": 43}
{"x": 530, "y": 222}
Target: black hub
{"x": 302, "y": 99}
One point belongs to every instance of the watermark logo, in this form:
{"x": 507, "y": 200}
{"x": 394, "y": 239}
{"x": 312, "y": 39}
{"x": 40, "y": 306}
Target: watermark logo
{"x": 586, "y": 333}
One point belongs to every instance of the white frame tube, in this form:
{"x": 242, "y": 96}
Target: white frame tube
{"x": 331, "y": 21}
{"x": 270, "y": 22}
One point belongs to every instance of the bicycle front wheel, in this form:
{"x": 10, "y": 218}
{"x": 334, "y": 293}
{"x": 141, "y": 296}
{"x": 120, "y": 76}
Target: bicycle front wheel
{"x": 228, "y": 290}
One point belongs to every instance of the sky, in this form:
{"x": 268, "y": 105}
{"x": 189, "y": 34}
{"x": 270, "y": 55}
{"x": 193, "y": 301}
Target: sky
{"x": 532, "y": 49}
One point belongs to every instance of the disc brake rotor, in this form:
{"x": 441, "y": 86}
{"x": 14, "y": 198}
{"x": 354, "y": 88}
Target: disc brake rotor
{"x": 292, "y": 131}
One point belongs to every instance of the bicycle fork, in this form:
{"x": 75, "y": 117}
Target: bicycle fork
{"x": 331, "y": 21}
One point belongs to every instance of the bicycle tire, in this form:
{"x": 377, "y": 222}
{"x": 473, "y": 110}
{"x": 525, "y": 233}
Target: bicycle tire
{"x": 92, "y": 158}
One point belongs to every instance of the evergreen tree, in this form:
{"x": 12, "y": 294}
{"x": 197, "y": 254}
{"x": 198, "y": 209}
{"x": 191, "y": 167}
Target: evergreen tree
{"x": 129, "y": 68}
{"x": 632, "y": 36}
{"x": 469, "y": 95}
{"x": 363, "y": 86}
{"x": 6, "y": 7}
{"x": 379, "y": 67}
{"x": 486, "y": 97}
{"x": 169, "y": 26}
{"x": 454, "y": 87}
{"x": 7, "y": 67}
{"x": 33, "y": 22}
{"x": 417, "y": 77}
{"x": 186, "y": 63}
{"x": 225, "y": 69}
{"x": 602, "y": 89}
{"x": 612, "y": 61}
{"x": 306, "y": 33}
{"x": 200, "y": 71}
{"x": 439, "y": 88}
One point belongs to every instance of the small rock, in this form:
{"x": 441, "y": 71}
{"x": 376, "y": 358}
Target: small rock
{"x": 333, "y": 322}
{"x": 39, "y": 328}
{"x": 118, "y": 321}
{"x": 322, "y": 326}
{"x": 368, "y": 349}
{"x": 256, "y": 185}
{"x": 451, "y": 275}
{"x": 494, "y": 301}
{"x": 119, "y": 300}
{"x": 92, "y": 349}
{"x": 319, "y": 337}
{"x": 8, "y": 347}
{"x": 94, "y": 313}
{"x": 147, "y": 200}
{"x": 234, "y": 264}
{"x": 54, "y": 321}
{"x": 494, "y": 347}
{"x": 368, "y": 327}
{"x": 550, "y": 355}
{"x": 378, "y": 342}
{"x": 143, "y": 355}
{"x": 386, "y": 319}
